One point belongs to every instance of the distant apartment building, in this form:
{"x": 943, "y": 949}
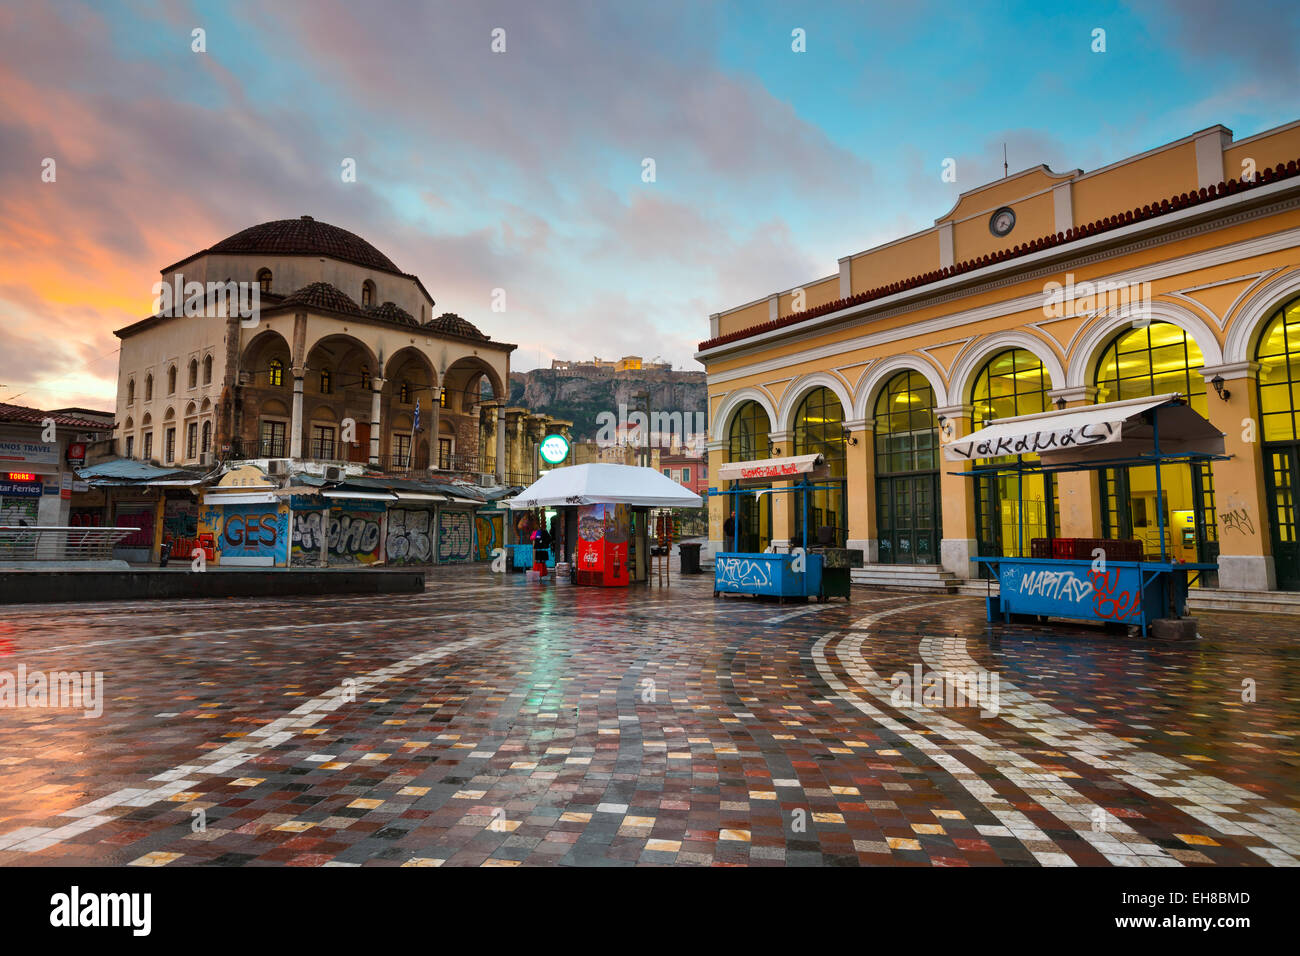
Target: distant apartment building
{"x": 689, "y": 470}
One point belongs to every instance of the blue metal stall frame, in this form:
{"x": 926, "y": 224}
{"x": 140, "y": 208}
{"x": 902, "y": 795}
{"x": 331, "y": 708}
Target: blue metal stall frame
{"x": 1161, "y": 586}
{"x": 768, "y": 574}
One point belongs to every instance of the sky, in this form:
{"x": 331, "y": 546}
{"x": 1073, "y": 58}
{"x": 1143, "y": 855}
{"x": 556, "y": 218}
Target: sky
{"x": 524, "y": 170}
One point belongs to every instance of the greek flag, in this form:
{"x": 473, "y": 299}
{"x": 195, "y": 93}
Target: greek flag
{"x": 417, "y": 414}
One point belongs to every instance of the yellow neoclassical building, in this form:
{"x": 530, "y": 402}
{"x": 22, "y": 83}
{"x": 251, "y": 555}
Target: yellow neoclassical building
{"x": 1174, "y": 270}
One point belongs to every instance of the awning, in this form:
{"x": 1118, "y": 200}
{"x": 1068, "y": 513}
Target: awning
{"x": 247, "y": 498}
{"x": 597, "y": 483}
{"x": 419, "y": 496}
{"x": 361, "y": 495}
{"x": 770, "y": 468}
{"x": 1109, "y": 432}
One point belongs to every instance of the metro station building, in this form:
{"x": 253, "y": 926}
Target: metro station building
{"x": 1174, "y": 270}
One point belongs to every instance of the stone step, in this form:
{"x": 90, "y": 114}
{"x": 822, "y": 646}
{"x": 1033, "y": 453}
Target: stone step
{"x": 930, "y": 577}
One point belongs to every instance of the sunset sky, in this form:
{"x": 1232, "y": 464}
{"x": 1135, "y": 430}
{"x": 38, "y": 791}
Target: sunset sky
{"x": 522, "y": 170}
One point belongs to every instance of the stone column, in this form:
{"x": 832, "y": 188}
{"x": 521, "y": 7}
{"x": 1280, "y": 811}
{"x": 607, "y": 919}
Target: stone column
{"x": 501, "y": 445}
{"x": 325, "y": 535}
{"x": 862, "y": 488}
{"x": 295, "y": 425}
{"x": 959, "y": 542}
{"x": 377, "y": 386}
{"x": 783, "y": 502}
{"x": 717, "y": 505}
{"x": 1078, "y": 492}
{"x": 1241, "y": 505}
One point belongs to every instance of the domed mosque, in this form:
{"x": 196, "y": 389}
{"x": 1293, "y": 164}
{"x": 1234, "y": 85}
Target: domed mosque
{"x": 337, "y": 332}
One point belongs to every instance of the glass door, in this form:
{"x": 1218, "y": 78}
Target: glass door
{"x": 1280, "y": 476}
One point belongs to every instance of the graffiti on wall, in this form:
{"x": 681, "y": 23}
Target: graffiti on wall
{"x": 247, "y": 532}
{"x": 487, "y": 536}
{"x": 410, "y": 536}
{"x": 353, "y": 536}
{"x": 455, "y": 536}
{"x": 180, "y": 527}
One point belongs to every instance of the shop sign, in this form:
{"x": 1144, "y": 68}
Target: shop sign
{"x": 30, "y": 452}
{"x": 20, "y": 489}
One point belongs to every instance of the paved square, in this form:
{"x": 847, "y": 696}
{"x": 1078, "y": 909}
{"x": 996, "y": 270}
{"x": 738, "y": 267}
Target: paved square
{"x": 493, "y": 722}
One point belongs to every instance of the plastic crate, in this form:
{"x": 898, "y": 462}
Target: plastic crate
{"x": 1040, "y": 548}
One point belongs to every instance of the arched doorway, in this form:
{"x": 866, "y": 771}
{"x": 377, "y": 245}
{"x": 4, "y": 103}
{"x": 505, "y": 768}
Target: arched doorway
{"x": 747, "y": 440}
{"x": 1156, "y": 359}
{"x": 1011, "y": 383}
{"x": 906, "y": 446}
{"x": 819, "y": 429}
{"x": 1278, "y": 355}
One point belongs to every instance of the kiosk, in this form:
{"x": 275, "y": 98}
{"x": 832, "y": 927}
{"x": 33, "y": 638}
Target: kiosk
{"x": 797, "y": 573}
{"x": 605, "y": 517}
{"x": 1160, "y": 430}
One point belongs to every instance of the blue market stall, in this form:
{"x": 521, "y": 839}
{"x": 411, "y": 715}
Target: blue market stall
{"x": 796, "y": 574}
{"x": 1103, "y": 580}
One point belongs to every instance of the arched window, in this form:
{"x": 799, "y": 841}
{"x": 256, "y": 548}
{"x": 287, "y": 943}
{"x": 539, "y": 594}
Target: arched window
{"x": 276, "y": 372}
{"x": 1011, "y": 509}
{"x": 365, "y": 377}
{"x": 906, "y": 446}
{"x": 171, "y": 380}
{"x": 148, "y": 387}
{"x": 404, "y": 394}
{"x": 1278, "y": 355}
{"x": 326, "y": 383}
{"x": 207, "y": 370}
{"x": 130, "y": 392}
{"x": 748, "y": 441}
{"x": 442, "y": 397}
{"x": 748, "y": 433}
{"x": 367, "y": 293}
{"x": 819, "y": 429}
{"x": 206, "y": 444}
{"x": 1157, "y": 359}
{"x": 263, "y": 280}
{"x": 194, "y": 373}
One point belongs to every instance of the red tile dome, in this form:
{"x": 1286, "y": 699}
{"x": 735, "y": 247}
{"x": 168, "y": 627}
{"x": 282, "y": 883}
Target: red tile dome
{"x": 450, "y": 323}
{"x": 305, "y": 236}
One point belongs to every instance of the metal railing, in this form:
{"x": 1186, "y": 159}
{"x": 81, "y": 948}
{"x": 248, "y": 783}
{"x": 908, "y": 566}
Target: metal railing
{"x": 51, "y": 543}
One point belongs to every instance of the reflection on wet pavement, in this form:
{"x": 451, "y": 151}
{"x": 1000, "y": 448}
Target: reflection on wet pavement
{"x": 490, "y": 721}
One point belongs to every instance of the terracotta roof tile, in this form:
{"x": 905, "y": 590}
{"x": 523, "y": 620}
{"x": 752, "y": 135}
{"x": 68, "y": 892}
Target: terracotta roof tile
{"x": 305, "y": 236}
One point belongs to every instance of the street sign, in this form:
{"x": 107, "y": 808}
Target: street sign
{"x": 554, "y": 449}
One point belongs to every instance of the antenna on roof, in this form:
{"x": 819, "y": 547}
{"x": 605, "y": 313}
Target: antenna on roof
{"x": 1005, "y": 168}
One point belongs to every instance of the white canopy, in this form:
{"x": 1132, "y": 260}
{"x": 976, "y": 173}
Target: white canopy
{"x": 1113, "y": 430}
{"x": 769, "y": 468}
{"x": 604, "y": 484}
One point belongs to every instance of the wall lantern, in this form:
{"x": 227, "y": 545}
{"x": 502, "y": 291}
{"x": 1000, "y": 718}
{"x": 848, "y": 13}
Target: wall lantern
{"x": 1060, "y": 404}
{"x": 1219, "y": 390}
{"x": 848, "y": 436}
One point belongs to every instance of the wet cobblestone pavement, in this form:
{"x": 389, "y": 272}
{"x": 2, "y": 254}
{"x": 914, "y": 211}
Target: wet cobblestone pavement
{"x": 493, "y": 722}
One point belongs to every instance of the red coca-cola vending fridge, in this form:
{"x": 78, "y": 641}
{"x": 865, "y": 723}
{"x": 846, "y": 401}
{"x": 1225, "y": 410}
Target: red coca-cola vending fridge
{"x": 602, "y": 545}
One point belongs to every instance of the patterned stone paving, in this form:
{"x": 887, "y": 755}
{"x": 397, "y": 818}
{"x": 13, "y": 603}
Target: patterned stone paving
{"x": 493, "y": 722}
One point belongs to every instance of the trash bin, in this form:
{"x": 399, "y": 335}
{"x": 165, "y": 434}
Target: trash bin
{"x": 690, "y": 557}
